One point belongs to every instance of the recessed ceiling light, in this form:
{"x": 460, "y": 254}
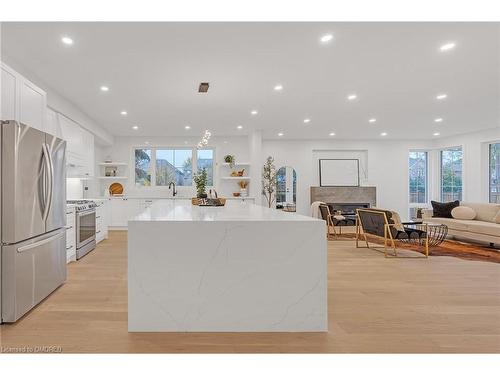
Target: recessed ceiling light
{"x": 104, "y": 88}
{"x": 383, "y": 134}
{"x": 436, "y": 134}
{"x": 187, "y": 127}
{"x": 280, "y": 134}
{"x": 447, "y": 46}
{"x": 326, "y": 38}
{"x": 278, "y": 88}
{"x": 372, "y": 120}
{"x": 146, "y": 143}
{"x": 185, "y": 142}
{"x": 352, "y": 97}
{"x": 123, "y": 113}
{"x": 331, "y": 134}
{"x": 239, "y": 127}
{"x": 135, "y": 127}
{"x": 439, "y": 119}
{"x": 307, "y": 121}
{"x": 254, "y": 112}
{"x": 67, "y": 40}
{"x": 441, "y": 96}
{"x": 225, "y": 142}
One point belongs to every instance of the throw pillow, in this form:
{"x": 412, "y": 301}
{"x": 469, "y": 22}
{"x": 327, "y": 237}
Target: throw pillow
{"x": 463, "y": 213}
{"x": 396, "y": 219}
{"x": 443, "y": 209}
{"x": 496, "y": 219}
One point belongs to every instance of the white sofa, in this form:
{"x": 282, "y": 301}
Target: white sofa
{"x": 483, "y": 228}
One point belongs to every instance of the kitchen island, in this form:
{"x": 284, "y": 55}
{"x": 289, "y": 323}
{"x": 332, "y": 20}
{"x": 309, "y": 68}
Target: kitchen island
{"x": 237, "y": 268}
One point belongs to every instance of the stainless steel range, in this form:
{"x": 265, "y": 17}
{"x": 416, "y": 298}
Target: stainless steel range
{"x": 85, "y": 226}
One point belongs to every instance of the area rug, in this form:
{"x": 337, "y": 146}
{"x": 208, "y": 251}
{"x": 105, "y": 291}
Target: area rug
{"x": 452, "y": 248}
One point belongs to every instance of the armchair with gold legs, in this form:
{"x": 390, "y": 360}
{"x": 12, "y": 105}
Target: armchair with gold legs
{"x": 387, "y": 226}
{"x": 328, "y": 217}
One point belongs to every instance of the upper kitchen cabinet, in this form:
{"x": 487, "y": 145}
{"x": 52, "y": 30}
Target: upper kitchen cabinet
{"x": 52, "y": 125}
{"x": 79, "y": 148}
{"x": 22, "y": 100}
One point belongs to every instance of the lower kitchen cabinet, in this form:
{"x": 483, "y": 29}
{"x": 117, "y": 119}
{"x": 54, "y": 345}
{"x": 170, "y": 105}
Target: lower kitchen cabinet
{"x": 122, "y": 209}
{"x": 70, "y": 234}
{"x": 101, "y": 220}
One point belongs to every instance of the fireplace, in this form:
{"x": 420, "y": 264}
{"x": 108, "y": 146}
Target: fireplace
{"x": 346, "y": 208}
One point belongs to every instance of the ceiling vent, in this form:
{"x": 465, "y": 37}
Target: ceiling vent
{"x": 203, "y": 87}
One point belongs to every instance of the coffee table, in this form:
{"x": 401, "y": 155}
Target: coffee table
{"x": 436, "y": 232}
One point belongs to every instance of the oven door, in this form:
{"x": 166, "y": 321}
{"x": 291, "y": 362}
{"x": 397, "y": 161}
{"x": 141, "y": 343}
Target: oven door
{"x": 85, "y": 227}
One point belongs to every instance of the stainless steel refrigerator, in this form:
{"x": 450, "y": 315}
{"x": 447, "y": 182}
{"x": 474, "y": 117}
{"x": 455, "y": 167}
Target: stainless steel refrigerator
{"x": 33, "y": 217}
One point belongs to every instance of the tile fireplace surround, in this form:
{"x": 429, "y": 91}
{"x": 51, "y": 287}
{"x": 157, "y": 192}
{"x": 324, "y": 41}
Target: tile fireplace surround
{"x": 341, "y": 194}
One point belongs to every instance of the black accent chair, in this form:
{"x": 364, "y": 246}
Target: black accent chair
{"x": 381, "y": 223}
{"x": 328, "y": 217}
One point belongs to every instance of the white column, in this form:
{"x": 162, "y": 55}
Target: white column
{"x": 255, "y": 151}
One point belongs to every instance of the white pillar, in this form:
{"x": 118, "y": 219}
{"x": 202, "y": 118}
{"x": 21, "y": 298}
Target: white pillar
{"x": 255, "y": 148}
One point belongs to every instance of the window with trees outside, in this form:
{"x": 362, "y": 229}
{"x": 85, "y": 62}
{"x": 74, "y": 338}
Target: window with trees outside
{"x": 494, "y": 173}
{"x": 451, "y": 174}
{"x": 159, "y": 166}
{"x": 417, "y": 180}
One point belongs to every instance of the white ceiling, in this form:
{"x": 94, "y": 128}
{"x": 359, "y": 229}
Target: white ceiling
{"x": 153, "y": 71}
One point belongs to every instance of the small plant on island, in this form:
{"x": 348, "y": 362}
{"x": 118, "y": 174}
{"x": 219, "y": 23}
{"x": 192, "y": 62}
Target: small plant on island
{"x": 200, "y": 179}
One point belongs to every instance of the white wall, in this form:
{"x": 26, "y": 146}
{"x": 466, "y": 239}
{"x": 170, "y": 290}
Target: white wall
{"x": 387, "y": 165}
{"x": 122, "y": 151}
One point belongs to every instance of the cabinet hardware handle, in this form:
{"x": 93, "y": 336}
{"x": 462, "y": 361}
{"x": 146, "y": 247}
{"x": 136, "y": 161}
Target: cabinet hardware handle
{"x": 71, "y": 226}
{"x": 98, "y": 231}
{"x": 97, "y": 217}
{"x": 69, "y": 247}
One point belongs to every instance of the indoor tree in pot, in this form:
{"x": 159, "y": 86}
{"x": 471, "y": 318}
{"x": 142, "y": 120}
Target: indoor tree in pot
{"x": 269, "y": 180}
{"x": 200, "y": 179}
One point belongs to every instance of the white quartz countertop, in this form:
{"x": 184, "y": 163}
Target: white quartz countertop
{"x": 183, "y": 210}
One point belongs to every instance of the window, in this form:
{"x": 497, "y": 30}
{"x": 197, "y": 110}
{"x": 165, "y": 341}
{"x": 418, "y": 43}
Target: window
{"x": 417, "y": 164}
{"x": 143, "y": 167}
{"x": 205, "y": 159}
{"x": 494, "y": 173}
{"x": 451, "y": 174}
{"x": 171, "y": 165}
{"x": 174, "y": 166}
{"x": 417, "y": 181}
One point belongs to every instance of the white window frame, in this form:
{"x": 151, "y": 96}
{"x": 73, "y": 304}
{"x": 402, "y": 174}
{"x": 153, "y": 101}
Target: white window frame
{"x": 440, "y": 174}
{"x": 489, "y": 168}
{"x": 427, "y": 181}
{"x": 152, "y": 164}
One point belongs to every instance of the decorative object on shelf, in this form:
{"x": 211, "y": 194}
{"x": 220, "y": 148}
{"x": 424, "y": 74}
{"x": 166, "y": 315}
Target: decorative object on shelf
{"x": 269, "y": 180}
{"x": 230, "y": 159}
{"x": 108, "y": 159}
{"x": 200, "y": 179}
{"x": 115, "y": 188}
{"x": 236, "y": 194}
{"x": 204, "y": 139}
{"x": 234, "y": 174}
{"x": 243, "y": 188}
{"x": 240, "y": 173}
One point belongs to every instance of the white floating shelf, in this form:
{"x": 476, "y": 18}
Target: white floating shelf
{"x": 237, "y": 164}
{"x": 235, "y": 178}
{"x": 113, "y": 177}
{"x": 117, "y": 164}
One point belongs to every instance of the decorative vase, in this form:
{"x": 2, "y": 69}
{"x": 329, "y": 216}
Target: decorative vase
{"x": 244, "y": 192}
{"x": 203, "y": 196}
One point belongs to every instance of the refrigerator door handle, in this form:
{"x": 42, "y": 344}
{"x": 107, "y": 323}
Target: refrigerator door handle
{"x": 48, "y": 193}
{"x": 40, "y": 243}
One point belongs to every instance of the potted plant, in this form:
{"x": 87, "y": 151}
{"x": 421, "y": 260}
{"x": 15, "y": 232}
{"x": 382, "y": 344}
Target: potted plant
{"x": 269, "y": 180}
{"x": 200, "y": 179}
{"x": 230, "y": 159}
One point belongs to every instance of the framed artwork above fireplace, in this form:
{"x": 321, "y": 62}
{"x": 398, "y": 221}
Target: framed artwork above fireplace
{"x": 339, "y": 172}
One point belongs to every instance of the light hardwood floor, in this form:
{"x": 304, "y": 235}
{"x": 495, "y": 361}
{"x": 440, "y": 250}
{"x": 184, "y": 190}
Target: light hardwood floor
{"x": 442, "y": 304}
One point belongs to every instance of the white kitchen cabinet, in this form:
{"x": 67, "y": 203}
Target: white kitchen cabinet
{"x": 79, "y": 148}
{"x": 101, "y": 220}
{"x": 52, "y": 125}
{"x": 70, "y": 234}
{"x": 119, "y": 208}
{"x": 22, "y": 100}
{"x": 9, "y": 94}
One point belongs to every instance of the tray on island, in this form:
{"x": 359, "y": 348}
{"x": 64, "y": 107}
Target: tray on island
{"x": 208, "y": 202}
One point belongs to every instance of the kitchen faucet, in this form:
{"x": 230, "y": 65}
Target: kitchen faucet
{"x": 170, "y": 185}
